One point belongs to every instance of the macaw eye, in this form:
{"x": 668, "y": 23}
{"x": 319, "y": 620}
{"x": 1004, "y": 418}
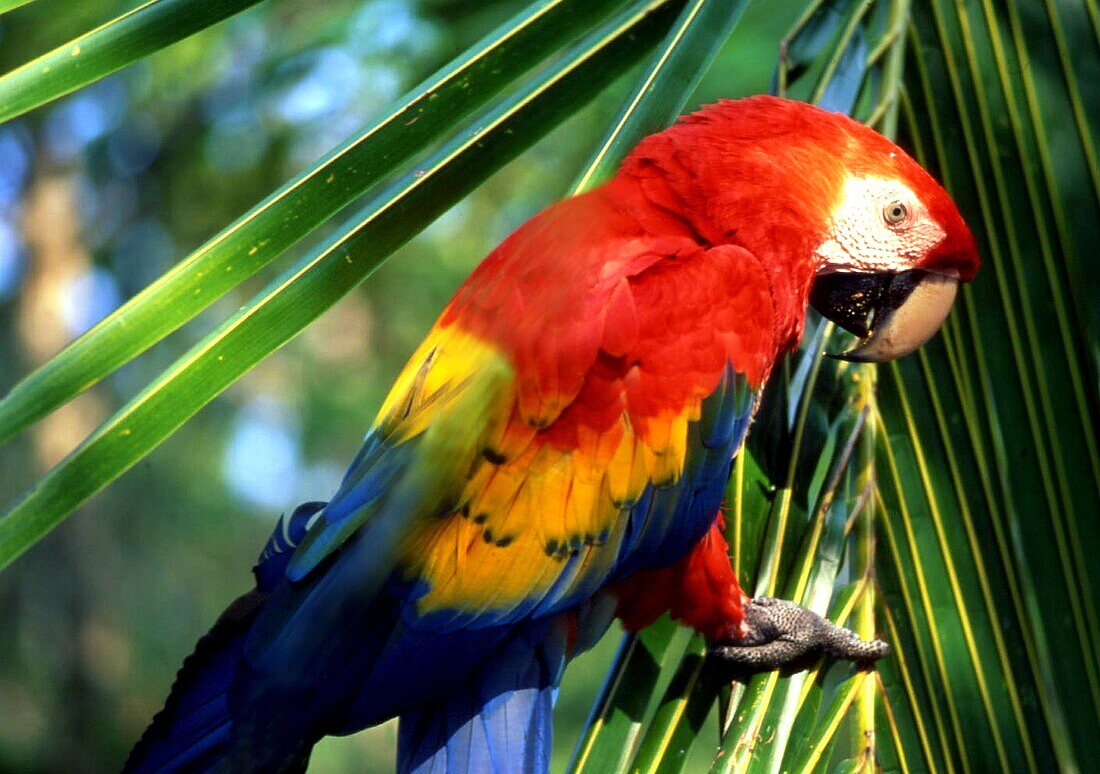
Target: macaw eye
{"x": 895, "y": 213}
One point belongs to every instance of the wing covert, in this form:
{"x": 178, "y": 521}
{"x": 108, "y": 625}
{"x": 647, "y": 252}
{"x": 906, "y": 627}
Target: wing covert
{"x": 543, "y": 439}
{"x": 633, "y": 461}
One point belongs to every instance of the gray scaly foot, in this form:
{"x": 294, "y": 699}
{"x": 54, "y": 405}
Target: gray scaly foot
{"x": 780, "y": 633}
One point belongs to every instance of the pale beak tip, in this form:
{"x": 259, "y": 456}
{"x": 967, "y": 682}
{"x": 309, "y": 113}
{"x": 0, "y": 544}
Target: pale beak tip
{"x": 908, "y": 326}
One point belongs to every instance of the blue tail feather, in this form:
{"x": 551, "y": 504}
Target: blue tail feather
{"x": 195, "y": 728}
{"x": 195, "y": 722}
{"x": 497, "y": 720}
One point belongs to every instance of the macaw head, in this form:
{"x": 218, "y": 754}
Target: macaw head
{"x": 896, "y": 248}
{"x": 843, "y": 217}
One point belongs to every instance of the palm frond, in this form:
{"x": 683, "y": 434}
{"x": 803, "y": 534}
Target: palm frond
{"x": 119, "y": 42}
{"x": 11, "y": 5}
{"x": 410, "y": 127}
{"x": 948, "y": 502}
{"x": 988, "y": 469}
{"x": 969, "y": 602}
{"x": 417, "y": 122}
{"x": 327, "y": 273}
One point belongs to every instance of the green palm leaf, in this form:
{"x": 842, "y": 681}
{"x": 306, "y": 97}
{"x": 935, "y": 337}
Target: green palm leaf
{"x": 119, "y": 42}
{"x": 11, "y": 5}
{"x": 326, "y": 274}
{"x": 959, "y": 692}
{"x": 988, "y": 552}
{"x": 289, "y": 214}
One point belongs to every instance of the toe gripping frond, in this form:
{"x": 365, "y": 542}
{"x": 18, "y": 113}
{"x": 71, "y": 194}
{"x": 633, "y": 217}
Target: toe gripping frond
{"x": 780, "y": 633}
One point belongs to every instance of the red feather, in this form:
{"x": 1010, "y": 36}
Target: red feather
{"x": 700, "y": 591}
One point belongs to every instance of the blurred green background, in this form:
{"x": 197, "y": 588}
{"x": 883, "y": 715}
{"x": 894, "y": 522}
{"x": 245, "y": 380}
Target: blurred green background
{"x": 104, "y": 190}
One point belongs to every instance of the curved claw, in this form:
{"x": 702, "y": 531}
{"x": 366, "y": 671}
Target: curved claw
{"x": 779, "y": 633}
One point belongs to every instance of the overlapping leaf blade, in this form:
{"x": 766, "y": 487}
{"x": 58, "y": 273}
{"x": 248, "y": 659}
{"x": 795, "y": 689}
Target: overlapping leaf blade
{"x": 296, "y": 209}
{"x": 11, "y": 5}
{"x": 665, "y": 85}
{"x": 623, "y": 704}
{"x": 117, "y": 43}
{"x": 325, "y": 275}
{"x": 984, "y": 430}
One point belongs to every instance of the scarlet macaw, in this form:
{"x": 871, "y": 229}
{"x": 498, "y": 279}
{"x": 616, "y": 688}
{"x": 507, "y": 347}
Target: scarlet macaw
{"x": 555, "y": 452}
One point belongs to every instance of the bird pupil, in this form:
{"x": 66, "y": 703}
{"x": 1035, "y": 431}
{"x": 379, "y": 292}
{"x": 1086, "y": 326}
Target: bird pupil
{"x": 896, "y": 213}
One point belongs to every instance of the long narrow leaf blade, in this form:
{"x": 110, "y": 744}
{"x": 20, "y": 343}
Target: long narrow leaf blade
{"x": 106, "y": 49}
{"x": 989, "y": 467}
{"x": 325, "y": 276}
{"x": 11, "y": 5}
{"x": 620, "y": 710}
{"x": 672, "y": 75}
{"x": 297, "y": 208}
{"x": 679, "y": 717}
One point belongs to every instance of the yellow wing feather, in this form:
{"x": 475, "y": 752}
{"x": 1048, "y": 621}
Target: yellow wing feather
{"x": 527, "y": 506}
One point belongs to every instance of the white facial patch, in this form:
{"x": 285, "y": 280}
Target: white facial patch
{"x": 867, "y": 233}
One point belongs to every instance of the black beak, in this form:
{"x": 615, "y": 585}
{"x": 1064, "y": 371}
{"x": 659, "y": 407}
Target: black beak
{"x": 893, "y": 314}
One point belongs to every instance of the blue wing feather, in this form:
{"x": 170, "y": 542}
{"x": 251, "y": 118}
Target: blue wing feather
{"x": 667, "y": 521}
{"x": 335, "y": 649}
{"x": 500, "y": 718}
